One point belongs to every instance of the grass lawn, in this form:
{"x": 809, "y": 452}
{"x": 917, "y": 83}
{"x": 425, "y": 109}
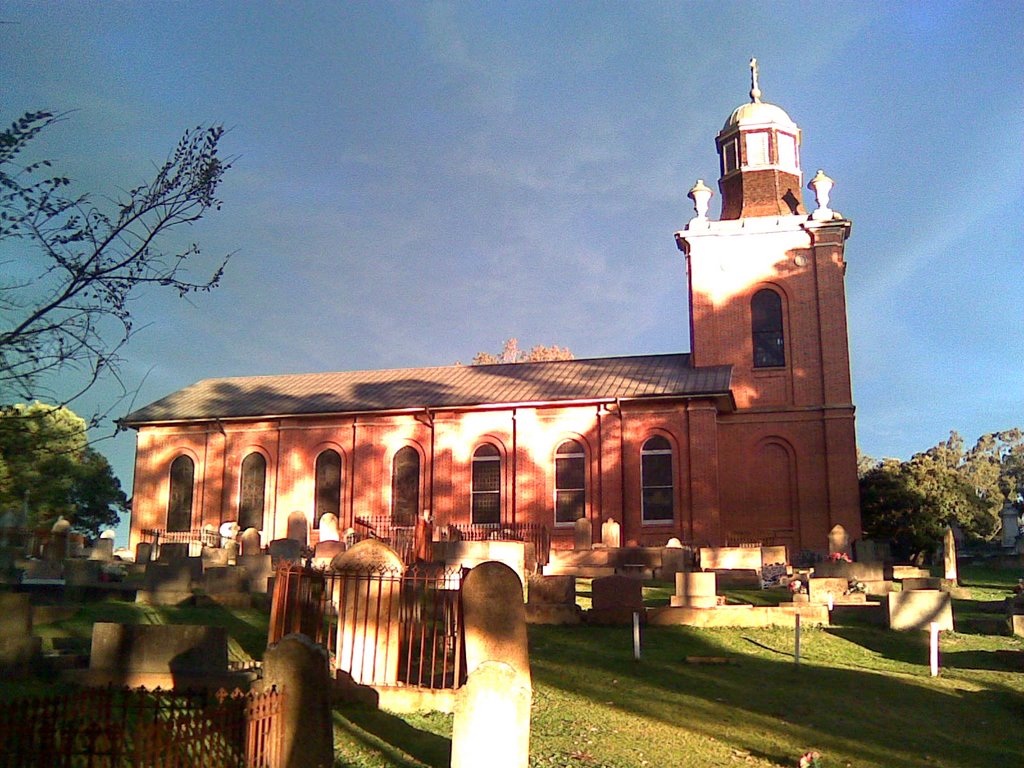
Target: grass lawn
{"x": 862, "y": 696}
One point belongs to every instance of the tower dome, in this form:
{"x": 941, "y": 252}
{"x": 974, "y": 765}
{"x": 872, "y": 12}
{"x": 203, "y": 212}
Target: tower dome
{"x": 759, "y": 149}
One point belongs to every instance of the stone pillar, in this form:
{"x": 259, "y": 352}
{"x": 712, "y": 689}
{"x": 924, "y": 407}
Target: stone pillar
{"x": 583, "y": 535}
{"x": 949, "y": 555}
{"x": 298, "y": 668}
{"x": 492, "y": 710}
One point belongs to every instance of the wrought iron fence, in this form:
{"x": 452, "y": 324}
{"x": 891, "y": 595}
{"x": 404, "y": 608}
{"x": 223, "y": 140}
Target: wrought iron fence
{"x": 534, "y": 533}
{"x": 123, "y": 727}
{"x": 204, "y": 536}
{"x": 383, "y": 627}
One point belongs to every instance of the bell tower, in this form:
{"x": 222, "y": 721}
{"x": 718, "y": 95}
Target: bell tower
{"x": 767, "y": 297}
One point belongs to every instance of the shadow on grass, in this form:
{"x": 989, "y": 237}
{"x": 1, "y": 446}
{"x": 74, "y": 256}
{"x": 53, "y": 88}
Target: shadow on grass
{"x": 393, "y": 737}
{"x": 859, "y": 716}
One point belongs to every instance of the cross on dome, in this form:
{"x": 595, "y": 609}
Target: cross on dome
{"x": 755, "y": 92}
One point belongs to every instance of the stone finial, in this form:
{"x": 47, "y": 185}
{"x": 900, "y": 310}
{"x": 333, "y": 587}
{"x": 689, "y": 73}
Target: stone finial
{"x": 821, "y": 185}
{"x": 701, "y": 194}
{"x": 755, "y": 91}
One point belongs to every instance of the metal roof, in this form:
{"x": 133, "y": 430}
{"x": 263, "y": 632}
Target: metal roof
{"x": 456, "y": 386}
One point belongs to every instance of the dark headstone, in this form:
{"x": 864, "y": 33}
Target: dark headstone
{"x": 285, "y": 549}
{"x": 299, "y": 668}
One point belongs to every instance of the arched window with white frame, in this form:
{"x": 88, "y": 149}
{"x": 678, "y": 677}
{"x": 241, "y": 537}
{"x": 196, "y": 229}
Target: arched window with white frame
{"x": 656, "y": 477}
{"x": 486, "y": 489}
{"x": 570, "y": 483}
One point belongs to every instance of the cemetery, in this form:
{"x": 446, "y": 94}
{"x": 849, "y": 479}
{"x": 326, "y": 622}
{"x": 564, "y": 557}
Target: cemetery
{"x": 352, "y": 653}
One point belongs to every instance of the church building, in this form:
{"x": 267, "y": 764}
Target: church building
{"x": 748, "y": 437}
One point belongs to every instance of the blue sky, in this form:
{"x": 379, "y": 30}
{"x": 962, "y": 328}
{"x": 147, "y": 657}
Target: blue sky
{"x": 416, "y": 182}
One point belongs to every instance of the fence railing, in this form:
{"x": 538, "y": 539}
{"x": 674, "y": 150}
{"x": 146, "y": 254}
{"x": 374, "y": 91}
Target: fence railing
{"x": 115, "y": 727}
{"x": 204, "y": 536}
{"x": 534, "y": 533}
{"x": 380, "y": 626}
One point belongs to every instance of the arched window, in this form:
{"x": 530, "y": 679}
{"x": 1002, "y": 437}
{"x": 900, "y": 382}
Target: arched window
{"x": 405, "y": 486}
{"x": 486, "y": 485}
{"x": 766, "y": 329}
{"x": 254, "y": 484}
{"x": 179, "y": 502}
{"x": 328, "y": 486}
{"x": 570, "y": 482}
{"x": 656, "y": 478}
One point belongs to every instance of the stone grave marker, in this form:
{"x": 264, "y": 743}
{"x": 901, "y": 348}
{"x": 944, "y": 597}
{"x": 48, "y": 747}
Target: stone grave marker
{"x": 838, "y": 540}
{"x": 143, "y": 552}
{"x": 250, "y": 542}
{"x": 260, "y": 569}
{"x": 157, "y": 654}
{"x": 229, "y": 531}
{"x": 551, "y": 600}
{"x": 949, "y": 555}
{"x": 329, "y": 527}
{"x": 285, "y": 549}
{"x": 231, "y": 549}
{"x": 491, "y": 726}
{"x": 583, "y": 537}
{"x": 173, "y": 551}
{"x": 369, "y": 604}
{"x": 818, "y": 589}
{"x": 299, "y": 667}
{"x": 103, "y": 550}
{"x": 615, "y": 599}
{"x": 298, "y": 529}
{"x": 694, "y": 590}
{"x": 495, "y": 618}
{"x": 917, "y": 609}
{"x": 611, "y": 533}
{"x": 18, "y": 646}
{"x": 327, "y": 550}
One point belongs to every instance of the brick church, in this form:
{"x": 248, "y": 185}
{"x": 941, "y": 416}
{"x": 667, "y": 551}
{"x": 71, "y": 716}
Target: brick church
{"x": 748, "y": 437}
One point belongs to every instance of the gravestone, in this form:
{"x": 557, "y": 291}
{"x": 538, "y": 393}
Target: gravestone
{"x": 231, "y": 549}
{"x": 298, "y": 529}
{"x": 329, "y": 527}
{"x": 819, "y": 589}
{"x": 918, "y": 583}
{"x": 611, "y": 533}
{"x": 675, "y": 558}
{"x": 551, "y": 600}
{"x": 260, "y": 569}
{"x": 170, "y": 583}
{"x": 143, "y": 552}
{"x": 615, "y": 599}
{"x": 173, "y": 551}
{"x": 368, "y": 601}
{"x": 694, "y": 590}
{"x": 18, "y": 646}
{"x": 229, "y": 531}
{"x": 495, "y": 619}
{"x": 949, "y": 555}
{"x": 1010, "y": 518}
{"x": 285, "y": 549}
{"x": 838, "y": 540}
{"x": 157, "y": 654}
{"x": 298, "y": 667}
{"x": 103, "y": 550}
{"x": 57, "y": 548}
{"x": 872, "y": 551}
{"x": 250, "y": 542}
{"x": 327, "y": 550}
{"x": 917, "y": 609}
{"x": 491, "y": 726}
{"x": 583, "y": 535}
{"x": 109, "y": 533}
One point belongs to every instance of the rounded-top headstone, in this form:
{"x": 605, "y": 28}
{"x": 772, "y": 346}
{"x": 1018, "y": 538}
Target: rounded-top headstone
{"x": 368, "y": 555}
{"x": 61, "y": 526}
{"x": 495, "y": 618}
{"x": 110, "y": 533}
{"x": 298, "y": 529}
{"x": 583, "y": 536}
{"x": 674, "y": 543}
{"x": 250, "y": 541}
{"x": 329, "y": 527}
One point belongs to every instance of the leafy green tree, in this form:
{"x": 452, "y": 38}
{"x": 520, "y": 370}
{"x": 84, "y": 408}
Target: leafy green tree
{"x": 511, "y": 353}
{"x": 66, "y": 311}
{"x": 50, "y": 466}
